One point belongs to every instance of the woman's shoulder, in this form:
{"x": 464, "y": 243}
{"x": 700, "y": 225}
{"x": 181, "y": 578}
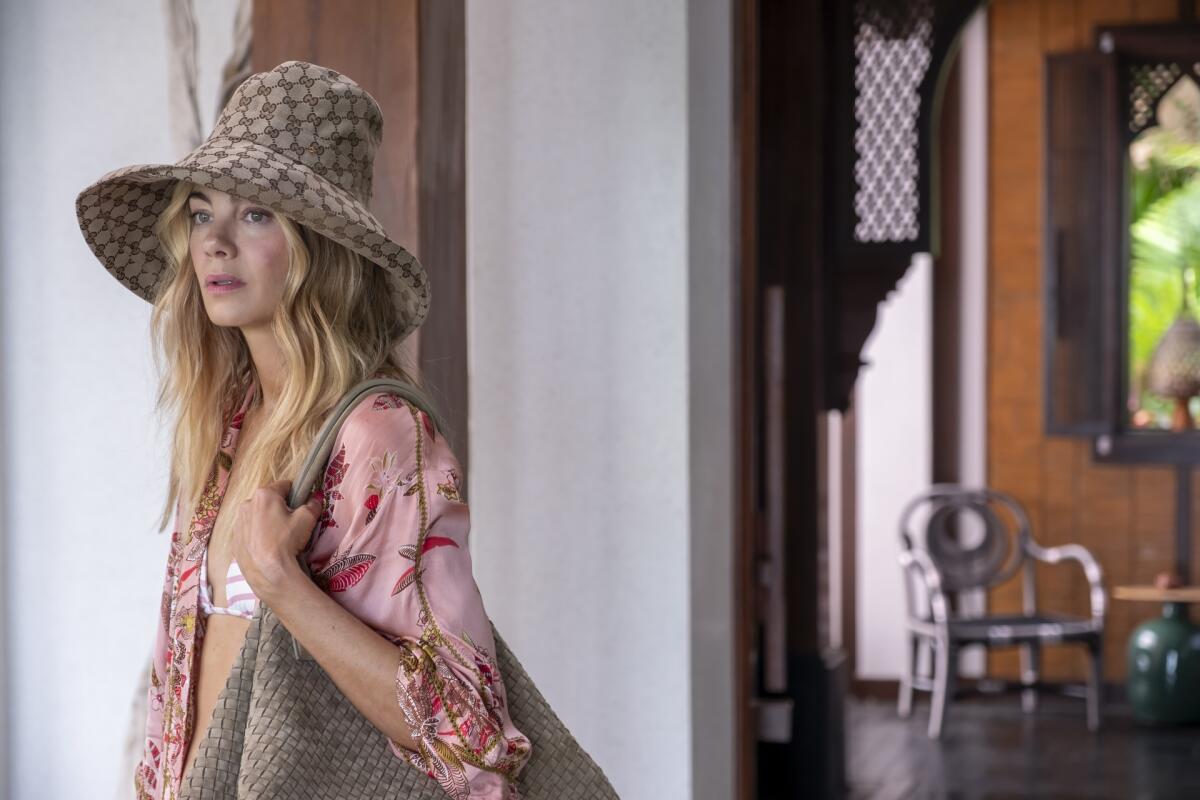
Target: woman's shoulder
{"x": 387, "y": 418}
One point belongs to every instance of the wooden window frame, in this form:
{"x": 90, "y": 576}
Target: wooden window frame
{"x": 1113, "y": 440}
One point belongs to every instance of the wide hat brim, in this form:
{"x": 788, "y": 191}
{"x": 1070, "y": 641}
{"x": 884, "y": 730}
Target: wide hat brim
{"x": 117, "y": 214}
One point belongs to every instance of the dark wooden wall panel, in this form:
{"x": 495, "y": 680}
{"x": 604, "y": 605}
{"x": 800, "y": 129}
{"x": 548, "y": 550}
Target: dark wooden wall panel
{"x": 411, "y": 56}
{"x": 441, "y": 193}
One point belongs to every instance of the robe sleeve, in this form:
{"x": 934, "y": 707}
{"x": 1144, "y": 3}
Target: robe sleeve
{"x": 148, "y": 771}
{"x": 391, "y": 547}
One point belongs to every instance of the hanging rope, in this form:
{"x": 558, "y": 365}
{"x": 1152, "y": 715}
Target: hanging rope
{"x": 237, "y": 67}
{"x": 183, "y": 112}
{"x": 183, "y": 108}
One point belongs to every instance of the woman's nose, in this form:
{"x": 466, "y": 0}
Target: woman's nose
{"x": 217, "y": 242}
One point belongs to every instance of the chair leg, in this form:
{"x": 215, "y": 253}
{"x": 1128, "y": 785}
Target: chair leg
{"x": 945, "y": 665}
{"x": 1095, "y": 684}
{"x": 912, "y": 651}
{"x": 1031, "y": 657}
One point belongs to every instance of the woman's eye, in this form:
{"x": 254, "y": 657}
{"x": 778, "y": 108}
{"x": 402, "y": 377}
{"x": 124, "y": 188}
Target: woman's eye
{"x": 255, "y": 215}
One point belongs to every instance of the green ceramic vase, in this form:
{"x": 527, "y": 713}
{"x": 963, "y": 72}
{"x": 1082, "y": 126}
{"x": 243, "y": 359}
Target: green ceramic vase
{"x": 1164, "y": 668}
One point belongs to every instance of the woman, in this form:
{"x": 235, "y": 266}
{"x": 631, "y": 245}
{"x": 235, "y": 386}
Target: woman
{"x": 275, "y": 290}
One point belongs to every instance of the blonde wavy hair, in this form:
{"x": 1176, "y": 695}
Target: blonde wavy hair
{"x": 335, "y": 323}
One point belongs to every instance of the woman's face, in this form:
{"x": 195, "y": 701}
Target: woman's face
{"x": 235, "y": 239}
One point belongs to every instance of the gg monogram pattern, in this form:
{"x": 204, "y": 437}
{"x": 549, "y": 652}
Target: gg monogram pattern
{"x": 300, "y": 139}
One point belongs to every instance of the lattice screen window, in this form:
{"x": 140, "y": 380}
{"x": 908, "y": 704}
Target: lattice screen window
{"x": 892, "y": 51}
{"x": 1147, "y": 84}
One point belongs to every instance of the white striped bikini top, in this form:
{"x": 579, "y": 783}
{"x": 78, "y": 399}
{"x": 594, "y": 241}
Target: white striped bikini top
{"x": 238, "y": 594}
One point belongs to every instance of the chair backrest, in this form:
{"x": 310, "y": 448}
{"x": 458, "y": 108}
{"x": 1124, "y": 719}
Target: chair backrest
{"x": 1001, "y": 548}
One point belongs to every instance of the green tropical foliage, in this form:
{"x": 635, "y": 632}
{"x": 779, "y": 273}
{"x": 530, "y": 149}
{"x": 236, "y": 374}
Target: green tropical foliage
{"x": 1164, "y": 248}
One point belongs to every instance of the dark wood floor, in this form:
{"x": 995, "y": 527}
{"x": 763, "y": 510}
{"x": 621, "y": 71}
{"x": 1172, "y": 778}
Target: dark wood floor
{"x": 990, "y": 749}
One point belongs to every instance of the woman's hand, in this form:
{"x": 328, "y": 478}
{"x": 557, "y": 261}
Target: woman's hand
{"x": 270, "y": 536}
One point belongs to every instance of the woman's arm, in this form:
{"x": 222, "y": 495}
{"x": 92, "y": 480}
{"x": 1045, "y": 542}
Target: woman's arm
{"x": 361, "y": 663}
{"x": 392, "y": 611}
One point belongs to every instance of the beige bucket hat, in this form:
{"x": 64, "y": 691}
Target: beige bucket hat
{"x": 299, "y": 139}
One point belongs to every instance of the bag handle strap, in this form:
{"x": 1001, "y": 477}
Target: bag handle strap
{"x": 317, "y": 459}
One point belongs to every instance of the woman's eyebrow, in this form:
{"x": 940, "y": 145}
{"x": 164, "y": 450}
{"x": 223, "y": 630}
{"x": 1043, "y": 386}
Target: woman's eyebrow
{"x": 237, "y": 201}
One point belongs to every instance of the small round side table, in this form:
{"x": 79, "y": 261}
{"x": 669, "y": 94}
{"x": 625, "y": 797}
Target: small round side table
{"x": 1164, "y": 657}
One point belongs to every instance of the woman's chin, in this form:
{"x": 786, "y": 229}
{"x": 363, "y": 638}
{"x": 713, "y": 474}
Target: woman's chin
{"x": 222, "y": 318}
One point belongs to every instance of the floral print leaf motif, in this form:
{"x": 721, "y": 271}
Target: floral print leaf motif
{"x": 406, "y": 580}
{"x": 145, "y": 779}
{"x": 187, "y": 572}
{"x": 385, "y": 479}
{"x": 449, "y": 488}
{"x": 487, "y": 669}
{"x": 164, "y": 610}
{"x": 411, "y": 478}
{"x": 474, "y": 738}
{"x": 345, "y": 572}
{"x": 204, "y": 517}
{"x": 155, "y": 696}
{"x": 389, "y": 400}
{"x": 455, "y": 779}
{"x": 409, "y": 551}
{"x": 234, "y": 425}
{"x": 437, "y": 541}
{"x": 428, "y": 424}
{"x": 334, "y": 474}
{"x": 421, "y": 702}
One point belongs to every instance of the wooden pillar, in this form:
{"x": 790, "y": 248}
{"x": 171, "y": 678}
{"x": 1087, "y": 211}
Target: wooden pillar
{"x": 791, "y": 61}
{"x": 410, "y": 55}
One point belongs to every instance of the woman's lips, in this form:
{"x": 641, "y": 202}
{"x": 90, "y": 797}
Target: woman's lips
{"x": 218, "y": 285}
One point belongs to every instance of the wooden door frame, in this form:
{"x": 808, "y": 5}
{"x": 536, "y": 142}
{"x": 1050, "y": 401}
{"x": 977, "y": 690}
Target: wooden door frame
{"x": 782, "y": 102}
{"x": 745, "y": 101}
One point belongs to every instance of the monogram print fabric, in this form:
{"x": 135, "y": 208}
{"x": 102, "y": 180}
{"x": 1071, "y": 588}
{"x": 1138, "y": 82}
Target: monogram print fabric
{"x": 300, "y": 139}
{"x": 398, "y": 562}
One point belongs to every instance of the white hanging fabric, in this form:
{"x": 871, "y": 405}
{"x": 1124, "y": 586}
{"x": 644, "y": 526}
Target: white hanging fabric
{"x": 183, "y": 110}
{"x": 188, "y": 129}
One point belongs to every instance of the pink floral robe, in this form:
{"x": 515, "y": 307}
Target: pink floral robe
{"x": 412, "y": 585}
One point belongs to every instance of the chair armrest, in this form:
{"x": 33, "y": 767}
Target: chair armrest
{"x": 1091, "y": 568}
{"x": 919, "y": 563}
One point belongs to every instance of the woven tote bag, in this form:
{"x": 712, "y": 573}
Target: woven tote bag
{"x": 282, "y": 730}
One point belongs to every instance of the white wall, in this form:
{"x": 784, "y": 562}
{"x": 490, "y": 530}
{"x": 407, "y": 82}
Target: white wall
{"x": 577, "y": 157}
{"x": 83, "y": 466}
{"x": 894, "y": 415}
